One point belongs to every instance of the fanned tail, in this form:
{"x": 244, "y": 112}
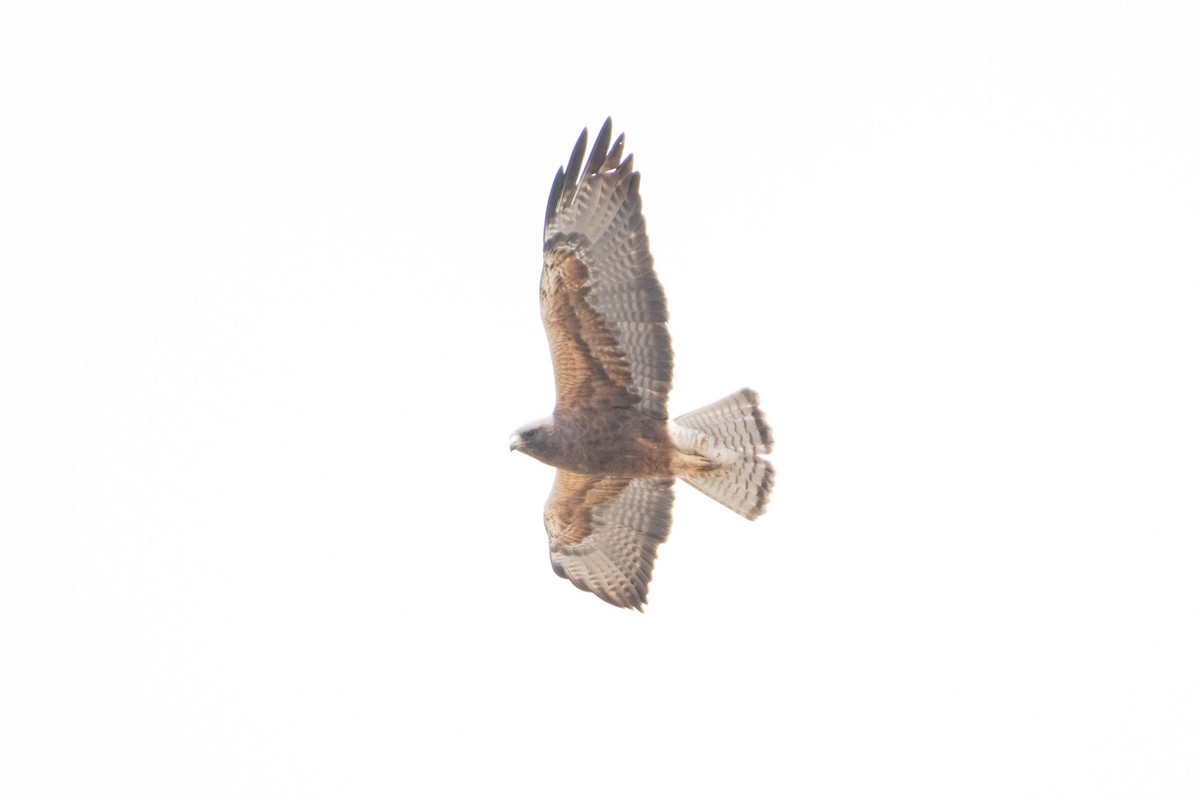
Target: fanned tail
{"x": 720, "y": 447}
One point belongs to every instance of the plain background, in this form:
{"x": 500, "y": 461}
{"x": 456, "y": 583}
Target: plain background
{"x": 268, "y": 314}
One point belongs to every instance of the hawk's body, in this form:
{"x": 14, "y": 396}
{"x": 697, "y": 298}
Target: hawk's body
{"x": 616, "y": 452}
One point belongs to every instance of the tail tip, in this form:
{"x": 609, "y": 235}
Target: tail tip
{"x": 765, "y": 485}
{"x": 765, "y": 434}
{"x": 734, "y": 431}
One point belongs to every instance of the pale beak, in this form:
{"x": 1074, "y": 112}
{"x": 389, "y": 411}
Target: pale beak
{"x": 514, "y": 442}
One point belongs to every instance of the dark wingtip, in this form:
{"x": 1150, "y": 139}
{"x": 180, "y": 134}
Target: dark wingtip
{"x": 573, "y": 166}
{"x": 614, "y": 155}
{"x": 556, "y": 191}
{"x": 626, "y": 165}
{"x": 635, "y": 603}
{"x": 600, "y": 148}
{"x": 632, "y": 600}
{"x": 601, "y": 159}
{"x": 635, "y": 183}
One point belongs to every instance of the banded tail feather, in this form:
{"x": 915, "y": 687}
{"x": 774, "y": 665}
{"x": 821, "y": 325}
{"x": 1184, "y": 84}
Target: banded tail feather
{"x": 729, "y": 436}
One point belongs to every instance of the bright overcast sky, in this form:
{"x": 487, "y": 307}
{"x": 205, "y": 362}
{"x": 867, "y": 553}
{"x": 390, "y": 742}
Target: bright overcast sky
{"x": 268, "y": 314}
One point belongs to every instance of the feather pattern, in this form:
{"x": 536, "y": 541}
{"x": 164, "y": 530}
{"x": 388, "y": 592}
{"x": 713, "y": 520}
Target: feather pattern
{"x": 605, "y": 531}
{"x": 595, "y": 238}
{"x": 730, "y": 436}
{"x": 609, "y": 437}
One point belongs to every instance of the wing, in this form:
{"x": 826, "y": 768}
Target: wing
{"x": 605, "y": 531}
{"x": 603, "y": 307}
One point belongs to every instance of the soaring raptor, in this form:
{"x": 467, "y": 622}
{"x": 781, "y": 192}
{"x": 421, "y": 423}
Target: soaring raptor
{"x": 616, "y": 450}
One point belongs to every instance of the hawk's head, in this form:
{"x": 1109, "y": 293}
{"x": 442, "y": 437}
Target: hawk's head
{"x": 533, "y": 439}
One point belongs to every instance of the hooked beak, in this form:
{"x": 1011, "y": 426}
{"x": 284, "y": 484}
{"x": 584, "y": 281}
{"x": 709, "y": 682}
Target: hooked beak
{"x": 514, "y": 442}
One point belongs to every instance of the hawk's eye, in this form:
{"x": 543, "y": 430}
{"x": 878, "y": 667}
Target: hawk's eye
{"x": 527, "y": 434}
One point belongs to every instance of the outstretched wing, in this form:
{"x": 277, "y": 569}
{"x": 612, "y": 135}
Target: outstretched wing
{"x": 603, "y": 307}
{"x": 605, "y": 531}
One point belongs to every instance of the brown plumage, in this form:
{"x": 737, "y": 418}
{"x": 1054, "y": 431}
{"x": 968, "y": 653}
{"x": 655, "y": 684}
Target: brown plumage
{"x": 609, "y": 436}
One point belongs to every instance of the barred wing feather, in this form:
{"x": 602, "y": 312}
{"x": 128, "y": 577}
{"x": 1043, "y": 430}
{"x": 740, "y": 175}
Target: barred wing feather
{"x": 602, "y": 305}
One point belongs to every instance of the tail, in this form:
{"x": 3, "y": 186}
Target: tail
{"x": 720, "y": 446}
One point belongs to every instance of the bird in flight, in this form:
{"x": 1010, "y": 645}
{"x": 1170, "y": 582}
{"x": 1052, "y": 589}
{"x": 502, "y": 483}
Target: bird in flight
{"x": 616, "y": 451}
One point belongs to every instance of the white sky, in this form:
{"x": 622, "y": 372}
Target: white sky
{"x": 268, "y": 314}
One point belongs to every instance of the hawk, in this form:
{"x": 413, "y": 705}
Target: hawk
{"x": 616, "y": 450}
